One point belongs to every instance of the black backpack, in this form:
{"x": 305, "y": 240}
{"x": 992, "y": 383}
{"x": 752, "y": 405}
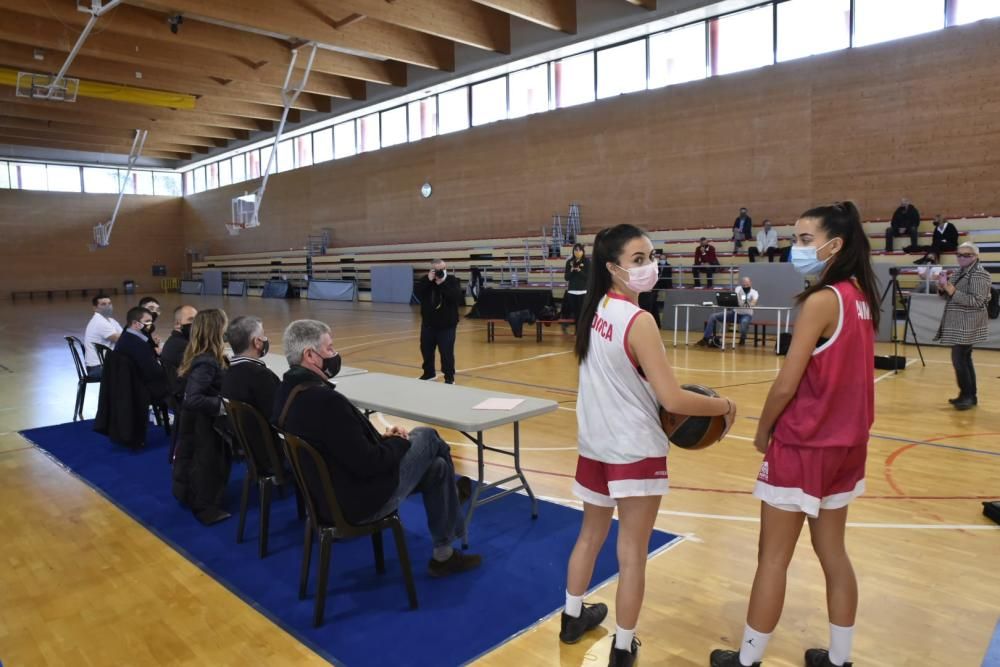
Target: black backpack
{"x": 993, "y": 307}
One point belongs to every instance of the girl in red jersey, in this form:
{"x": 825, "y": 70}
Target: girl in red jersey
{"x": 814, "y": 431}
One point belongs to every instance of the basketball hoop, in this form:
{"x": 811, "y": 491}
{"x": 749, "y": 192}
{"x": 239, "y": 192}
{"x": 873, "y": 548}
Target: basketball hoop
{"x": 102, "y": 234}
{"x": 244, "y": 214}
{"x": 40, "y": 87}
{"x": 234, "y": 228}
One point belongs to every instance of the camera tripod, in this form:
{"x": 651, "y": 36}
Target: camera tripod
{"x": 897, "y": 297}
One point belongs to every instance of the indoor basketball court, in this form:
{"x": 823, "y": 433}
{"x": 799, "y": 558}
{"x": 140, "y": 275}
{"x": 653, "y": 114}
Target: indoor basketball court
{"x": 311, "y": 162}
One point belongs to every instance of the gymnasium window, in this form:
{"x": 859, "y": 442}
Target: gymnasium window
{"x": 142, "y": 181}
{"x": 303, "y": 151}
{"x": 31, "y": 176}
{"x": 741, "y": 41}
{"x": 529, "y": 91}
{"x": 265, "y": 157}
{"x": 105, "y": 181}
{"x": 574, "y": 80}
{"x": 369, "y": 133}
{"x": 212, "y": 176}
{"x": 883, "y": 20}
{"x": 677, "y": 56}
{"x": 322, "y": 145}
{"x": 286, "y": 156}
{"x": 4, "y": 175}
{"x": 809, "y": 27}
{"x": 188, "y": 182}
{"x": 167, "y": 184}
{"x": 394, "y": 127}
{"x": 489, "y": 101}
{"x": 422, "y": 118}
{"x": 63, "y": 179}
{"x": 621, "y": 69}
{"x": 344, "y": 140}
{"x": 967, "y": 11}
{"x": 199, "y": 180}
{"x": 225, "y": 173}
{"x": 453, "y": 110}
{"x": 253, "y": 164}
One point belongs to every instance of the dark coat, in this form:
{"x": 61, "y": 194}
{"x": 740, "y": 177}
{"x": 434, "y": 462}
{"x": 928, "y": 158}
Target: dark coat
{"x": 577, "y": 280}
{"x": 905, "y": 217}
{"x": 363, "y": 464}
{"x": 202, "y": 460}
{"x": 947, "y": 239}
{"x": 123, "y": 403}
{"x": 171, "y": 357}
{"x": 144, "y": 358}
{"x": 249, "y": 381}
{"x": 439, "y": 303}
{"x": 744, "y": 225}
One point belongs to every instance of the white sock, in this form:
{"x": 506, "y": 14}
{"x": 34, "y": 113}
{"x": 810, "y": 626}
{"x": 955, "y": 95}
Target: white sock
{"x": 441, "y": 554}
{"x": 623, "y": 638}
{"x": 752, "y": 648}
{"x": 574, "y": 605}
{"x": 840, "y": 643}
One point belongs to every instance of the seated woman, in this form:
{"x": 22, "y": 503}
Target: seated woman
{"x": 945, "y": 240}
{"x": 202, "y": 461}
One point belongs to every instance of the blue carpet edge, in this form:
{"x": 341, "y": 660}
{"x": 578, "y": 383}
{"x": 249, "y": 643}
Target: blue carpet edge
{"x": 992, "y": 657}
{"x": 278, "y": 622}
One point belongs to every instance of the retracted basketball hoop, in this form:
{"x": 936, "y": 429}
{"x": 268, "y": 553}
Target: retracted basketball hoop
{"x": 244, "y": 214}
{"x": 45, "y": 87}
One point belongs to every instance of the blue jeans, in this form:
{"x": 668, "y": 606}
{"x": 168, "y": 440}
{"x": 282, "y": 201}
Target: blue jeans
{"x": 427, "y": 467}
{"x": 744, "y": 321}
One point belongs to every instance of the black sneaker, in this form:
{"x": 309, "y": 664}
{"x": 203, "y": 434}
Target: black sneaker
{"x": 458, "y": 562}
{"x": 622, "y": 658}
{"x": 960, "y": 399}
{"x": 820, "y": 657}
{"x": 425, "y": 376}
{"x": 573, "y": 628}
{"x": 725, "y": 658}
{"x": 743, "y": 340}
{"x": 449, "y": 380}
{"x": 464, "y": 485}
{"x": 702, "y": 343}
{"x": 965, "y": 404}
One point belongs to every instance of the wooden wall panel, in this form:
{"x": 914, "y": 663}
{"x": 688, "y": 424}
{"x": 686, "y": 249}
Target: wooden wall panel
{"x": 45, "y": 237}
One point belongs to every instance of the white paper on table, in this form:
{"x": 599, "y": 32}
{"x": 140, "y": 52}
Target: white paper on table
{"x": 499, "y": 404}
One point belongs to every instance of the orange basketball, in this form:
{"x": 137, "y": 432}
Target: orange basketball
{"x": 693, "y": 432}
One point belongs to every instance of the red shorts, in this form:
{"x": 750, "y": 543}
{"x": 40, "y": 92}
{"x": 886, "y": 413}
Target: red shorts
{"x": 600, "y": 483}
{"x": 808, "y": 479}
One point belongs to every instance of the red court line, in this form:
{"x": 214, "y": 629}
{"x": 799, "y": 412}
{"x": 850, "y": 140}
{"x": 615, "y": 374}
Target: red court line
{"x": 894, "y": 455}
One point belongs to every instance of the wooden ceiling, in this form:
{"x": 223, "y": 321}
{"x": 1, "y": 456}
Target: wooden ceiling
{"x": 232, "y": 56}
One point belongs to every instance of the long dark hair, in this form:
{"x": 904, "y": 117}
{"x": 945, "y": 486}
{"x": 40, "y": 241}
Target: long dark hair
{"x": 608, "y": 246}
{"x": 843, "y": 220}
{"x": 579, "y": 246}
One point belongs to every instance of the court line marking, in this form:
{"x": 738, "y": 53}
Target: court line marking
{"x": 890, "y": 373}
{"x": 547, "y": 355}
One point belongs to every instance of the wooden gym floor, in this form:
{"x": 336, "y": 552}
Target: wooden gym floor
{"x": 81, "y": 583}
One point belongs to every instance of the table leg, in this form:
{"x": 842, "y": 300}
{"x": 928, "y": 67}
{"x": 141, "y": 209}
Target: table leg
{"x": 474, "y": 500}
{"x": 687, "y": 325}
{"x": 538, "y": 331}
{"x": 675, "y": 325}
{"x": 725, "y": 311}
{"x": 520, "y": 473}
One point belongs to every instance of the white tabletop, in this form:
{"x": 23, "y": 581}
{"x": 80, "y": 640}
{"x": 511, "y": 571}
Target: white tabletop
{"x": 279, "y": 365}
{"x": 450, "y": 406}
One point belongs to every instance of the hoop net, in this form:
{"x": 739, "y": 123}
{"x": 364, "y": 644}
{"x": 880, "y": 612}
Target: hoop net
{"x": 39, "y": 86}
{"x": 102, "y": 235}
{"x": 244, "y": 216}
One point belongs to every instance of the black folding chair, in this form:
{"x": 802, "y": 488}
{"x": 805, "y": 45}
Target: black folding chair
{"x": 327, "y": 520}
{"x": 77, "y": 350}
{"x": 266, "y": 466}
{"x": 102, "y": 352}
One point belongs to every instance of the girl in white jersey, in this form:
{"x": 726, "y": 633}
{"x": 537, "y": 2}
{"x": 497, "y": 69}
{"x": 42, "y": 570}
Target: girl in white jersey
{"x": 624, "y": 378}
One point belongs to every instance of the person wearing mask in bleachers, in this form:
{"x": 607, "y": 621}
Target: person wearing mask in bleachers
{"x": 945, "y": 240}
{"x": 905, "y": 221}
{"x": 103, "y": 330}
{"x": 704, "y": 256}
{"x": 576, "y": 275}
{"x": 767, "y": 244}
{"x": 742, "y": 230}
{"x": 965, "y": 322}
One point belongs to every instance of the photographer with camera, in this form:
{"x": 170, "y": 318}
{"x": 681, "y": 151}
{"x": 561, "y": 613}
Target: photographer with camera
{"x": 440, "y": 295}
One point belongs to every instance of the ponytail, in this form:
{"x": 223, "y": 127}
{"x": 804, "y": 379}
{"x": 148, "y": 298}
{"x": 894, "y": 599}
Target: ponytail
{"x": 843, "y": 220}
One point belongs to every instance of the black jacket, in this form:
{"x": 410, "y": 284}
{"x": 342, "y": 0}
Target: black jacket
{"x": 363, "y": 465}
{"x": 439, "y": 303}
{"x": 577, "y": 280}
{"x": 144, "y": 358}
{"x": 123, "y": 404}
{"x": 171, "y": 357}
{"x": 744, "y": 225}
{"x": 249, "y": 381}
{"x": 948, "y": 239}
{"x": 906, "y": 217}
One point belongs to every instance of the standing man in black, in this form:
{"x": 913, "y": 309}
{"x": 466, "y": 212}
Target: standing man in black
{"x": 742, "y": 229}
{"x": 440, "y": 295}
{"x": 906, "y": 220}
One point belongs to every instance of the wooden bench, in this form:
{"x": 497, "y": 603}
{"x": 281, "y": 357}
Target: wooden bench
{"x": 492, "y": 322}
{"x": 84, "y": 291}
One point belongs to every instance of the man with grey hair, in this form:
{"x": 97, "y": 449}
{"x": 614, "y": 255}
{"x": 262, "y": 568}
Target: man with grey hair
{"x": 440, "y": 295}
{"x": 372, "y": 472}
{"x": 248, "y": 380}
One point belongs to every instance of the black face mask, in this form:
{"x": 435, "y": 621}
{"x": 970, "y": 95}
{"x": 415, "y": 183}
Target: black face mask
{"x": 266, "y": 347}
{"x": 148, "y": 329}
{"x": 155, "y": 315}
{"x": 186, "y": 331}
{"x": 331, "y": 366}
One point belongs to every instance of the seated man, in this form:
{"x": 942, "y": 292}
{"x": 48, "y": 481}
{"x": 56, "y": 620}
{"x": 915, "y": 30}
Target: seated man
{"x": 767, "y": 244}
{"x": 102, "y": 329}
{"x": 372, "y": 473}
{"x": 747, "y": 297}
{"x": 905, "y": 222}
{"x": 248, "y": 380}
{"x": 945, "y": 240}
{"x": 134, "y": 344}
{"x": 172, "y": 352}
{"x": 704, "y": 255}
{"x": 153, "y": 306}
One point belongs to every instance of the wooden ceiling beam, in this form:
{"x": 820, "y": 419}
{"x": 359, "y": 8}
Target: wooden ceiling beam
{"x": 87, "y": 147}
{"x": 41, "y": 125}
{"x": 187, "y": 61}
{"x": 125, "y": 143}
{"x": 555, "y": 14}
{"x": 308, "y": 20}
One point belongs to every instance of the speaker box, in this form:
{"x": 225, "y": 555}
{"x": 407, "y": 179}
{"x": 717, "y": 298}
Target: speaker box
{"x": 888, "y": 362}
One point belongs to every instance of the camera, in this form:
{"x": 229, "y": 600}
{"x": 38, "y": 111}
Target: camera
{"x": 893, "y": 271}
{"x": 439, "y": 273}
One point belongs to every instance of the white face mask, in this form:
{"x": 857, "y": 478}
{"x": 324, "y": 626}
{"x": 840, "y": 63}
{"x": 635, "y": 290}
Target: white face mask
{"x": 642, "y": 278}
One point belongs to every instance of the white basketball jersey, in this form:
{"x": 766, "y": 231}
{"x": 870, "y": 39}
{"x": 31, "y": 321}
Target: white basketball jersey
{"x": 617, "y": 413}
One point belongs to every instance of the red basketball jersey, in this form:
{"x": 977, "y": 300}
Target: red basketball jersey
{"x": 834, "y": 405}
